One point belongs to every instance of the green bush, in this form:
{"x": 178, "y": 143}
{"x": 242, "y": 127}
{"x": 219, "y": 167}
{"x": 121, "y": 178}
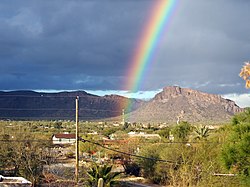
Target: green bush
{"x": 182, "y": 131}
{"x": 236, "y": 152}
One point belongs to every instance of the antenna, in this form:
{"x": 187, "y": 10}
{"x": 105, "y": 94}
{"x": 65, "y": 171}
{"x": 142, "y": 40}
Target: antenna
{"x": 123, "y": 117}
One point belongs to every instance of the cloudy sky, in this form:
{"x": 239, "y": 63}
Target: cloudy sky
{"x": 88, "y": 45}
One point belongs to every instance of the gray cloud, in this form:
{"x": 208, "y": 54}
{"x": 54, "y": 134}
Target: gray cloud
{"x": 89, "y": 45}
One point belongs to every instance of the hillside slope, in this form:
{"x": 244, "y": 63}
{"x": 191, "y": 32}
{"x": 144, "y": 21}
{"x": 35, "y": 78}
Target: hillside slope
{"x": 185, "y": 104}
{"x": 37, "y": 105}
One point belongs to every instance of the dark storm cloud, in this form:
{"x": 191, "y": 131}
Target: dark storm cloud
{"x": 88, "y": 44}
{"x": 205, "y": 47}
{"x": 67, "y": 44}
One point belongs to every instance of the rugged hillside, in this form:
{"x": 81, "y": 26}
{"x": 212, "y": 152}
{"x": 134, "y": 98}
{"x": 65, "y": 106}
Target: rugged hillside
{"x": 175, "y": 103}
{"x": 34, "y": 105}
{"x": 171, "y": 104}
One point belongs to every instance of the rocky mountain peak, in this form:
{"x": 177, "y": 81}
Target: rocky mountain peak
{"x": 171, "y": 92}
{"x": 193, "y": 104}
{"x": 175, "y": 91}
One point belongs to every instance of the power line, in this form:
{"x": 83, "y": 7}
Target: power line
{"x": 81, "y": 109}
{"x": 46, "y": 96}
{"x": 141, "y": 143}
{"x": 98, "y": 144}
{"x": 40, "y": 109}
{"x": 54, "y": 116}
{"x": 57, "y": 95}
{"x": 128, "y": 154}
{"x": 108, "y": 148}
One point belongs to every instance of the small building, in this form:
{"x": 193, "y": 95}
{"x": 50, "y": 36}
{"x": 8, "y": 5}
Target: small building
{"x": 144, "y": 135}
{"x": 64, "y": 138}
{"x": 14, "y": 181}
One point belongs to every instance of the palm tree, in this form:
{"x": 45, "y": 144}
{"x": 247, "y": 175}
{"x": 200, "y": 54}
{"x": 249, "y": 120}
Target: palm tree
{"x": 202, "y": 132}
{"x": 101, "y": 171}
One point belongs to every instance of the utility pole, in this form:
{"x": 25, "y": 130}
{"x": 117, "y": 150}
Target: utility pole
{"x": 77, "y": 142}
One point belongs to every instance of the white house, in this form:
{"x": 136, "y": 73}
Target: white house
{"x": 144, "y": 135}
{"x": 64, "y": 138}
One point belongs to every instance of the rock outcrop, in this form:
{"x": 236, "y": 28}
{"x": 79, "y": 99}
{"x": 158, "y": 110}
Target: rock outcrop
{"x": 175, "y": 103}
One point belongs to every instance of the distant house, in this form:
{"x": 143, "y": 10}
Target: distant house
{"x": 64, "y": 138}
{"x": 144, "y": 135}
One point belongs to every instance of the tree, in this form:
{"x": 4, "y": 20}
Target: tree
{"x": 25, "y": 156}
{"x": 182, "y": 131}
{"x": 236, "y": 153}
{"x": 165, "y": 133}
{"x": 131, "y": 168}
{"x": 243, "y": 117}
{"x": 245, "y": 74}
{"x": 87, "y": 147}
{"x": 148, "y": 166}
{"x": 58, "y": 125}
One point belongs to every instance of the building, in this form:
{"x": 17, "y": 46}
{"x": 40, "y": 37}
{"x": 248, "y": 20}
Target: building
{"x": 64, "y": 138}
{"x": 144, "y": 135}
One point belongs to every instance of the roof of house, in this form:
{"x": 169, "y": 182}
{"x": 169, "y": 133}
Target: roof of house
{"x": 14, "y": 181}
{"x": 66, "y": 136}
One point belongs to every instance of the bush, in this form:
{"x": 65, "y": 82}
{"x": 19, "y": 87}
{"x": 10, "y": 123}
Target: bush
{"x": 182, "y": 131}
{"x": 148, "y": 166}
{"x": 236, "y": 153}
{"x": 131, "y": 168}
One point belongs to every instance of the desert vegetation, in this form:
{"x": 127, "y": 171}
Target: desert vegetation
{"x": 184, "y": 155}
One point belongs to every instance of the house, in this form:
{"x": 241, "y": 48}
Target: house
{"x": 64, "y": 138}
{"x": 14, "y": 181}
{"x": 144, "y": 135}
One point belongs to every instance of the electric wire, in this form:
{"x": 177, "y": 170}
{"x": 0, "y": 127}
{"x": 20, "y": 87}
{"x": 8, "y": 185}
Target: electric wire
{"x": 31, "y": 140}
{"x": 125, "y": 153}
{"x": 108, "y": 148}
{"x": 57, "y": 95}
{"x": 73, "y": 109}
{"x": 100, "y": 145}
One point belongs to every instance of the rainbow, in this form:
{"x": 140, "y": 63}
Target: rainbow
{"x": 151, "y": 35}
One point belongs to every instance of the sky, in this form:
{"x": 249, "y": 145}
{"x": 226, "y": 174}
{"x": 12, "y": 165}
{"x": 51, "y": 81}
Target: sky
{"x": 88, "y": 45}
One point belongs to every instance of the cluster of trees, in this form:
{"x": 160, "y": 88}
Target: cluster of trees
{"x": 224, "y": 151}
{"x": 192, "y": 158}
{"x": 196, "y": 157}
{"x": 23, "y": 156}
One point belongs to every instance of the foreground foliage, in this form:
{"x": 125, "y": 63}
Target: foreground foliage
{"x": 25, "y": 157}
{"x": 196, "y": 156}
{"x": 236, "y": 152}
{"x": 101, "y": 171}
{"x": 205, "y": 162}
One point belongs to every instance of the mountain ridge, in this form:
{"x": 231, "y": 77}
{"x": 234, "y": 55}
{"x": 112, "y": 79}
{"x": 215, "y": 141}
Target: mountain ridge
{"x": 28, "y": 105}
{"x": 171, "y": 104}
{"x": 175, "y": 103}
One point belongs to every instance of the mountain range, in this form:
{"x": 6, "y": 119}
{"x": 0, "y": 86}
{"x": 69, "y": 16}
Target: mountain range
{"x": 28, "y": 105}
{"x": 170, "y": 105}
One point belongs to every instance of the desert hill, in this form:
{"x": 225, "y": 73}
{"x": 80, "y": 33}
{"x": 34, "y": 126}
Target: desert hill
{"x": 172, "y": 104}
{"x": 185, "y": 104}
{"x": 28, "y": 105}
